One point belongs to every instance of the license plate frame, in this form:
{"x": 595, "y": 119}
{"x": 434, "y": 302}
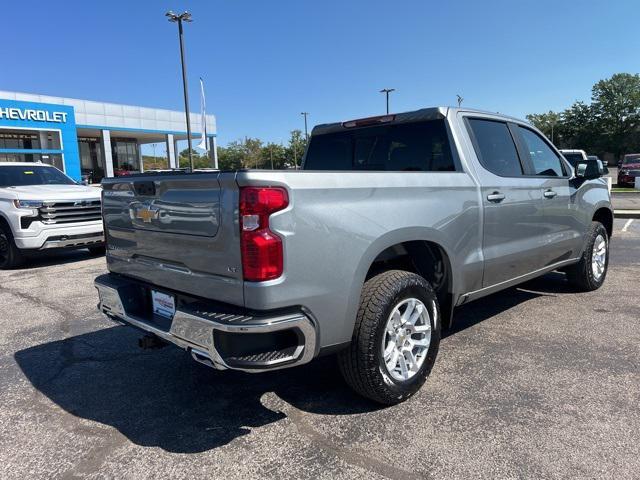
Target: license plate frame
{"x": 163, "y": 304}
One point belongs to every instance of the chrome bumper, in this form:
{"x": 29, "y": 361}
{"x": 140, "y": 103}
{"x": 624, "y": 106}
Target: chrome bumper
{"x": 194, "y": 330}
{"x": 78, "y": 242}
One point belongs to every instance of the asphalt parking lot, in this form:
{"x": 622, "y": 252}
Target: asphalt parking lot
{"x": 536, "y": 381}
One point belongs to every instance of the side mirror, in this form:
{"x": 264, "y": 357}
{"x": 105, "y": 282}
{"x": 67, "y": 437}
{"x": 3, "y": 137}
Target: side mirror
{"x": 581, "y": 169}
{"x": 588, "y": 169}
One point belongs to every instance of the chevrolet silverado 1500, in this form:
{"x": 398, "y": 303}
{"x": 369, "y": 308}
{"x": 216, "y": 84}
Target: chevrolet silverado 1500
{"x": 392, "y": 222}
{"x": 41, "y": 209}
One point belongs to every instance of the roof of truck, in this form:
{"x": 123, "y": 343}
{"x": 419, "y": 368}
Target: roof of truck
{"x": 430, "y": 113}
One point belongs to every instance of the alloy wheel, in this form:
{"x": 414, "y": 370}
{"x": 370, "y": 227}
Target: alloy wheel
{"x": 599, "y": 257}
{"x": 406, "y": 339}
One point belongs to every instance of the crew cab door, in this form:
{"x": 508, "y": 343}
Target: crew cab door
{"x": 514, "y": 225}
{"x": 564, "y": 228}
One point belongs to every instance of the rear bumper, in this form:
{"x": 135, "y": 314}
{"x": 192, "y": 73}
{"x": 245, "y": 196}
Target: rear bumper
{"x": 217, "y": 335}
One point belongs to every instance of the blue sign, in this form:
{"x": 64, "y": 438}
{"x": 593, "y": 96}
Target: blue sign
{"x": 44, "y": 116}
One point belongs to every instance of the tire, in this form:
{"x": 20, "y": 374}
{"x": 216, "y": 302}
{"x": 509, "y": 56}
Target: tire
{"x": 363, "y": 363}
{"x": 590, "y": 272}
{"x": 97, "y": 251}
{"x": 10, "y": 255}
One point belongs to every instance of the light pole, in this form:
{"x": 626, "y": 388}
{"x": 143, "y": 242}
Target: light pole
{"x": 183, "y": 17}
{"x": 306, "y": 135}
{"x": 387, "y": 91}
{"x": 460, "y": 99}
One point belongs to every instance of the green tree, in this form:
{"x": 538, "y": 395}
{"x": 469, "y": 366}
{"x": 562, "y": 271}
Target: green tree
{"x": 296, "y": 148}
{"x": 616, "y": 102}
{"x": 275, "y": 156}
{"x": 579, "y": 128}
{"x": 547, "y": 123}
{"x": 610, "y": 123}
{"x": 199, "y": 160}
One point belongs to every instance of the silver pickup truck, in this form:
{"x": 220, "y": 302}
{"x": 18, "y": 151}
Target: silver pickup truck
{"x": 392, "y": 222}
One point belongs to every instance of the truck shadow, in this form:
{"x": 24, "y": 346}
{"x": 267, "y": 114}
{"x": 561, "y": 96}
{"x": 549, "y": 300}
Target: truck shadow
{"x": 56, "y": 257}
{"x": 162, "y": 398}
{"x": 466, "y": 316}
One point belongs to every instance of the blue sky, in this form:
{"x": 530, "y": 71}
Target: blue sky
{"x": 265, "y": 62}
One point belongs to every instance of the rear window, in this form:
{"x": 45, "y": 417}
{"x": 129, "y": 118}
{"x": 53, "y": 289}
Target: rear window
{"x": 419, "y": 146}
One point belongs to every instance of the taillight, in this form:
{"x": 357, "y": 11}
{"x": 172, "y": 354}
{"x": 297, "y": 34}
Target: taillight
{"x": 262, "y": 256}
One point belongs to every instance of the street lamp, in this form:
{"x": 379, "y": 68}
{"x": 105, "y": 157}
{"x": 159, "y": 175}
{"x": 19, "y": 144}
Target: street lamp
{"x": 387, "y": 91}
{"x": 460, "y": 100}
{"x": 183, "y": 17}
{"x": 304, "y": 114}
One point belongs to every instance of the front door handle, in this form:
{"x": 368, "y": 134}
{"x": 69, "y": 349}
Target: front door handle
{"x": 549, "y": 194}
{"x": 496, "y": 197}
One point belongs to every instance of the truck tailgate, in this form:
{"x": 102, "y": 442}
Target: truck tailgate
{"x": 177, "y": 231}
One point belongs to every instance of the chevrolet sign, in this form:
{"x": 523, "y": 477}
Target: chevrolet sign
{"x": 11, "y": 113}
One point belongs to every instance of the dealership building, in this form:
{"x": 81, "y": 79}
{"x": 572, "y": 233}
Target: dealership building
{"x": 91, "y": 139}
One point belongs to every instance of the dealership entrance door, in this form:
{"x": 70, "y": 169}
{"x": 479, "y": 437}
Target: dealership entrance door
{"x": 91, "y": 159}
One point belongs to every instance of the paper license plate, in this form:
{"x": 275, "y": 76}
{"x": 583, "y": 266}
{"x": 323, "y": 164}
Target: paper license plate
{"x": 163, "y": 304}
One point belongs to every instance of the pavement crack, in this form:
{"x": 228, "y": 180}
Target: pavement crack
{"x": 351, "y": 456}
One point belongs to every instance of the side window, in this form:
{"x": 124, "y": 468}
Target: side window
{"x": 495, "y": 147}
{"x": 544, "y": 160}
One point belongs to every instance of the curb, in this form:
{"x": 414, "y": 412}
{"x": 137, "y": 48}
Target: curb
{"x": 626, "y": 213}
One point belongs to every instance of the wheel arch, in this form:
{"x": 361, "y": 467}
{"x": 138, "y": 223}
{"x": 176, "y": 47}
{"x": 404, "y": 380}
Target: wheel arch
{"x": 604, "y": 215}
{"x": 4, "y": 222}
{"x": 404, "y": 249}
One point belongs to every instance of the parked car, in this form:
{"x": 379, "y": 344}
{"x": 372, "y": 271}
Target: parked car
{"x": 391, "y": 223}
{"x": 628, "y": 157}
{"x": 629, "y": 169}
{"x": 41, "y": 208}
{"x": 574, "y": 156}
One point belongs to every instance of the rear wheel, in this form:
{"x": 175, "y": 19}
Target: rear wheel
{"x": 10, "y": 255}
{"x": 589, "y": 273}
{"x": 396, "y": 338}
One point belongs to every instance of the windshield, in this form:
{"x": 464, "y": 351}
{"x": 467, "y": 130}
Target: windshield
{"x": 628, "y": 159}
{"x": 19, "y": 176}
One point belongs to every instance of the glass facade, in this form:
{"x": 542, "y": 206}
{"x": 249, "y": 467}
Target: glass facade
{"x": 29, "y": 140}
{"x": 91, "y": 159}
{"x": 124, "y": 152}
{"x": 18, "y": 145}
{"x": 54, "y": 159}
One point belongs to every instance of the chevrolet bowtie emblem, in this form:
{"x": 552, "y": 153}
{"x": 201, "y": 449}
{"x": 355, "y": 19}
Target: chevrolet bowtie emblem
{"x": 146, "y": 214}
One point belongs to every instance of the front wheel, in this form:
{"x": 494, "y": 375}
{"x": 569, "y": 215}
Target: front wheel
{"x": 589, "y": 273}
{"x": 396, "y": 338}
{"x": 10, "y": 254}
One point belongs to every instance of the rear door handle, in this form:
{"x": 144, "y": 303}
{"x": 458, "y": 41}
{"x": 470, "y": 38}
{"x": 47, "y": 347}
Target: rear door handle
{"x": 496, "y": 197}
{"x": 549, "y": 194}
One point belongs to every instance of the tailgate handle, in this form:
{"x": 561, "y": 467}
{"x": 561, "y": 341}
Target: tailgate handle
{"x": 145, "y": 189}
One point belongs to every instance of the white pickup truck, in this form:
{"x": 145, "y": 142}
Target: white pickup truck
{"x": 41, "y": 208}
